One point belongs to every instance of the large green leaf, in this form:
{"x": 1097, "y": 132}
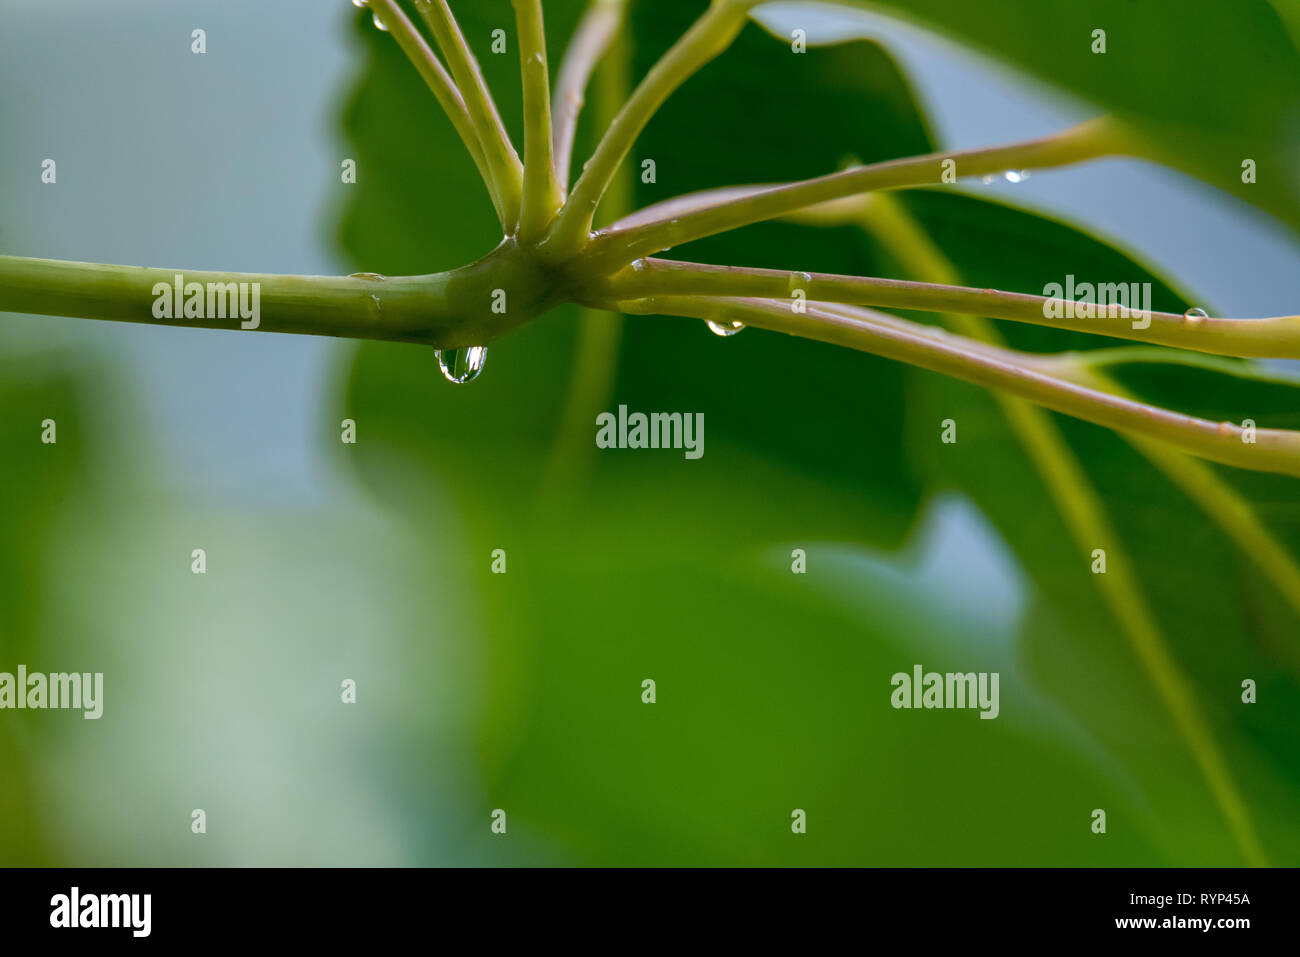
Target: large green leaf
{"x": 773, "y": 687}
{"x": 1204, "y": 84}
{"x": 1223, "y": 619}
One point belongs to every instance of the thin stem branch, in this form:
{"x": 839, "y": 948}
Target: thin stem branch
{"x": 1274, "y": 450}
{"x": 598, "y": 27}
{"x": 708, "y": 37}
{"x": 1090, "y": 140}
{"x": 541, "y": 191}
{"x": 436, "y": 78}
{"x": 499, "y": 153}
{"x": 1276, "y": 337}
{"x": 1157, "y": 355}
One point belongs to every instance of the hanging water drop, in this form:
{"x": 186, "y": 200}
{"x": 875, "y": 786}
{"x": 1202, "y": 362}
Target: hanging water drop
{"x": 1016, "y": 175}
{"x": 359, "y": 3}
{"x": 462, "y": 365}
{"x": 725, "y": 328}
{"x": 379, "y": 24}
{"x": 1195, "y": 315}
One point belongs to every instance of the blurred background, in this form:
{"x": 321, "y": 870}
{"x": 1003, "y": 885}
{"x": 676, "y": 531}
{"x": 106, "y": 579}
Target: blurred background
{"x": 523, "y": 691}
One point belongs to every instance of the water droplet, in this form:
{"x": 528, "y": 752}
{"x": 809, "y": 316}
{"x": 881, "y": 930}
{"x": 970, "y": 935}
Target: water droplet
{"x": 799, "y": 280}
{"x": 725, "y": 328}
{"x": 379, "y": 23}
{"x": 462, "y": 365}
{"x": 1195, "y": 315}
{"x": 372, "y": 276}
{"x": 538, "y": 59}
{"x": 988, "y": 178}
{"x": 359, "y": 3}
{"x": 1016, "y": 175}
{"x": 638, "y": 265}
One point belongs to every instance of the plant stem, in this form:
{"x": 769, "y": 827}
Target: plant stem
{"x": 435, "y": 77}
{"x": 1276, "y": 337}
{"x": 599, "y": 25}
{"x": 1156, "y": 355}
{"x": 499, "y": 153}
{"x": 1090, "y": 140}
{"x": 708, "y": 37}
{"x": 541, "y": 192}
{"x": 1274, "y": 450}
{"x": 445, "y": 310}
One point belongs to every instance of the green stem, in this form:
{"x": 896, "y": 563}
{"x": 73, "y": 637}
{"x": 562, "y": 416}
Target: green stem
{"x": 1087, "y": 141}
{"x": 1276, "y": 337}
{"x": 1274, "y": 450}
{"x": 1154, "y": 355}
{"x": 445, "y": 310}
{"x": 599, "y": 25}
{"x": 708, "y": 37}
{"x": 435, "y": 77}
{"x": 541, "y": 191}
{"x": 499, "y": 153}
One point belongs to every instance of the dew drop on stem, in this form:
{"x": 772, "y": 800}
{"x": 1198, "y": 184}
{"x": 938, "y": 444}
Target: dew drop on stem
{"x": 379, "y": 24}
{"x": 460, "y": 366}
{"x": 1195, "y": 315}
{"x": 725, "y": 328}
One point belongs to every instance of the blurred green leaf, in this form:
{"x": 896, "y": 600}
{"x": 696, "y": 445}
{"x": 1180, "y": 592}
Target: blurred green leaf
{"x": 39, "y": 479}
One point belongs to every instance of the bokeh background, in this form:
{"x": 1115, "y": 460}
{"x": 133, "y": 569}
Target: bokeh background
{"x": 523, "y": 691}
